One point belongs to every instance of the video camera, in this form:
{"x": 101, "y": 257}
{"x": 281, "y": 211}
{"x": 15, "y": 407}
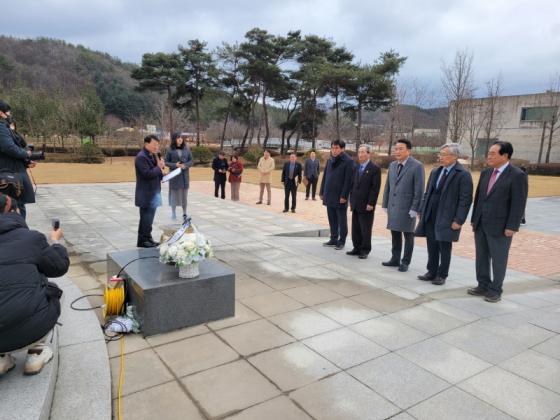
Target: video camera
{"x": 36, "y": 155}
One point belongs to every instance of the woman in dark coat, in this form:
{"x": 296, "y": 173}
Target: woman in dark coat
{"x": 179, "y": 156}
{"x": 235, "y": 170}
{"x": 29, "y": 303}
{"x": 14, "y": 156}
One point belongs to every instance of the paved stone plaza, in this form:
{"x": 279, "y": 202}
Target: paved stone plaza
{"x": 319, "y": 334}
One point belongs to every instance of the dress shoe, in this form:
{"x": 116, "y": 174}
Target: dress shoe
{"x": 307, "y": 198}
{"x": 339, "y": 246}
{"x": 390, "y": 263}
{"x": 362, "y": 256}
{"x": 285, "y": 211}
{"x": 403, "y": 268}
{"x": 492, "y": 297}
{"x": 314, "y": 199}
{"x": 329, "y": 243}
{"x": 258, "y": 202}
{"x": 293, "y": 210}
{"x": 353, "y": 252}
{"x": 426, "y": 277}
{"x": 477, "y": 291}
{"x": 147, "y": 244}
{"x": 438, "y": 281}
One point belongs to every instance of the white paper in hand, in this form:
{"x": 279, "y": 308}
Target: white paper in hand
{"x": 171, "y": 174}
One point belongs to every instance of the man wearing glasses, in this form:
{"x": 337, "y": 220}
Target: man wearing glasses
{"x": 444, "y": 209}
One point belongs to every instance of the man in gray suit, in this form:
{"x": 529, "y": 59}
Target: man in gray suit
{"x": 311, "y": 173}
{"x": 499, "y": 204}
{"x": 401, "y": 201}
{"x": 444, "y": 209}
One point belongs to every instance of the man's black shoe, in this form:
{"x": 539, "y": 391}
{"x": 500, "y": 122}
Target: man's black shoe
{"x": 390, "y": 263}
{"x": 330, "y": 243}
{"x": 147, "y": 244}
{"x": 339, "y": 246}
{"x": 285, "y": 211}
{"x": 362, "y": 256}
{"x": 492, "y": 297}
{"x": 293, "y": 210}
{"x": 477, "y": 291}
{"x": 438, "y": 281}
{"x": 353, "y": 252}
{"x": 403, "y": 268}
{"x": 427, "y": 277}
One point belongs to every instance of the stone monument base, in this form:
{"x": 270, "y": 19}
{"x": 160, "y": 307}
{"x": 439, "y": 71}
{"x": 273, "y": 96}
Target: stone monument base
{"x": 163, "y": 301}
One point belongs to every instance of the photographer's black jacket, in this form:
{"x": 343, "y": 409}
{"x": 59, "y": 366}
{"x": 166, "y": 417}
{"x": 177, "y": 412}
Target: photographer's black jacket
{"x": 13, "y": 156}
{"x": 28, "y": 308}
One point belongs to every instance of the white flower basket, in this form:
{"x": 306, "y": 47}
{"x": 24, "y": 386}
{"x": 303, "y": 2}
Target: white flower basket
{"x": 186, "y": 253}
{"x": 189, "y": 271}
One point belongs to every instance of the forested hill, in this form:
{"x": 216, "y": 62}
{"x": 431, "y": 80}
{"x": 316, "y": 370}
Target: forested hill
{"x": 55, "y": 66}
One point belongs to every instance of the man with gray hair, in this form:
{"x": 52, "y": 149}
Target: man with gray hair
{"x": 444, "y": 209}
{"x": 366, "y": 182}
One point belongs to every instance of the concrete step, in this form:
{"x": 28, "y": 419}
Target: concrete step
{"x": 83, "y": 386}
{"x": 29, "y": 397}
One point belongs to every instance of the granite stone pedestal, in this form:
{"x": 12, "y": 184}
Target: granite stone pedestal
{"x": 163, "y": 301}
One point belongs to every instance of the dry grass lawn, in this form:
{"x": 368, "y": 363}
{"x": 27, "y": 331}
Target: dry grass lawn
{"x": 122, "y": 170}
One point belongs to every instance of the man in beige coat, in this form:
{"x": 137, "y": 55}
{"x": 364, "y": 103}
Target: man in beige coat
{"x": 265, "y": 167}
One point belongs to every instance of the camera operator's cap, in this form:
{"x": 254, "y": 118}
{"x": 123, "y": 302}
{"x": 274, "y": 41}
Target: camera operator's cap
{"x": 5, "y": 107}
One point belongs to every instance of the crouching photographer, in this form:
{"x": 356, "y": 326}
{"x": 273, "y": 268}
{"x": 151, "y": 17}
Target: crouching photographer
{"x": 16, "y": 156}
{"x": 29, "y": 303}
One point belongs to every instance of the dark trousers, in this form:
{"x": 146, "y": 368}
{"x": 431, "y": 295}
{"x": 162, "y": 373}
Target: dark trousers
{"x": 290, "y": 188}
{"x": 362, "y": 224}
{"x": 147, "y": 215}
{"x": 439, "y": 252}
{"x": 396, "y": 250}
{"x": 311, "y": 185}
{"x": 491, "y": 251}
{"x": 220, "y": 182}
{"x": 338, "y": 223}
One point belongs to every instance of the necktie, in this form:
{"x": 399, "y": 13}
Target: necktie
{"x": 442, "y": 179}
{"x": 399, "y": 168}
{"x": 291, "y": 176}
{"x": 492, "y": 181}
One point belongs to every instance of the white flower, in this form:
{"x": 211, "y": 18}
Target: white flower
{"x": 190, "y": 248}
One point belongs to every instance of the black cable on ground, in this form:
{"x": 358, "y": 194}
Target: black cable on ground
{"x": 84, "y": 309}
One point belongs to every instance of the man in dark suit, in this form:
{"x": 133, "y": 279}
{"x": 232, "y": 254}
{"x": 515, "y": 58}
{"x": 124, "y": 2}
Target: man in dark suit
{"x": 149, "y": 167}
{"x": 220, "y": 167}
{"x": 499, "y": 204}
{"x": 291, "y": 178}
{"x": 366, "y": 183}
{"x": 444, "y": 209}
{"x": 335, "y": 188}
{"x": 401, "y": 200}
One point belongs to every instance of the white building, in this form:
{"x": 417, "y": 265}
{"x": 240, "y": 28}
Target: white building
{"x": 517, "y": 119}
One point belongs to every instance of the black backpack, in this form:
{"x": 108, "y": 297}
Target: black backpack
{"x": 10, "y": 183}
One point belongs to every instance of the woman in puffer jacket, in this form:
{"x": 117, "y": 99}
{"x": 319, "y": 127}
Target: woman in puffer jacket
{"x": 29, "y": 303}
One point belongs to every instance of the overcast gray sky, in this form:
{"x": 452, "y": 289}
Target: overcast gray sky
{"x": 520, "y": 39}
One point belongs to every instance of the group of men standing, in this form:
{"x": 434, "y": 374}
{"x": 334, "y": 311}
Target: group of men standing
{"x": 441, "y": 208}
